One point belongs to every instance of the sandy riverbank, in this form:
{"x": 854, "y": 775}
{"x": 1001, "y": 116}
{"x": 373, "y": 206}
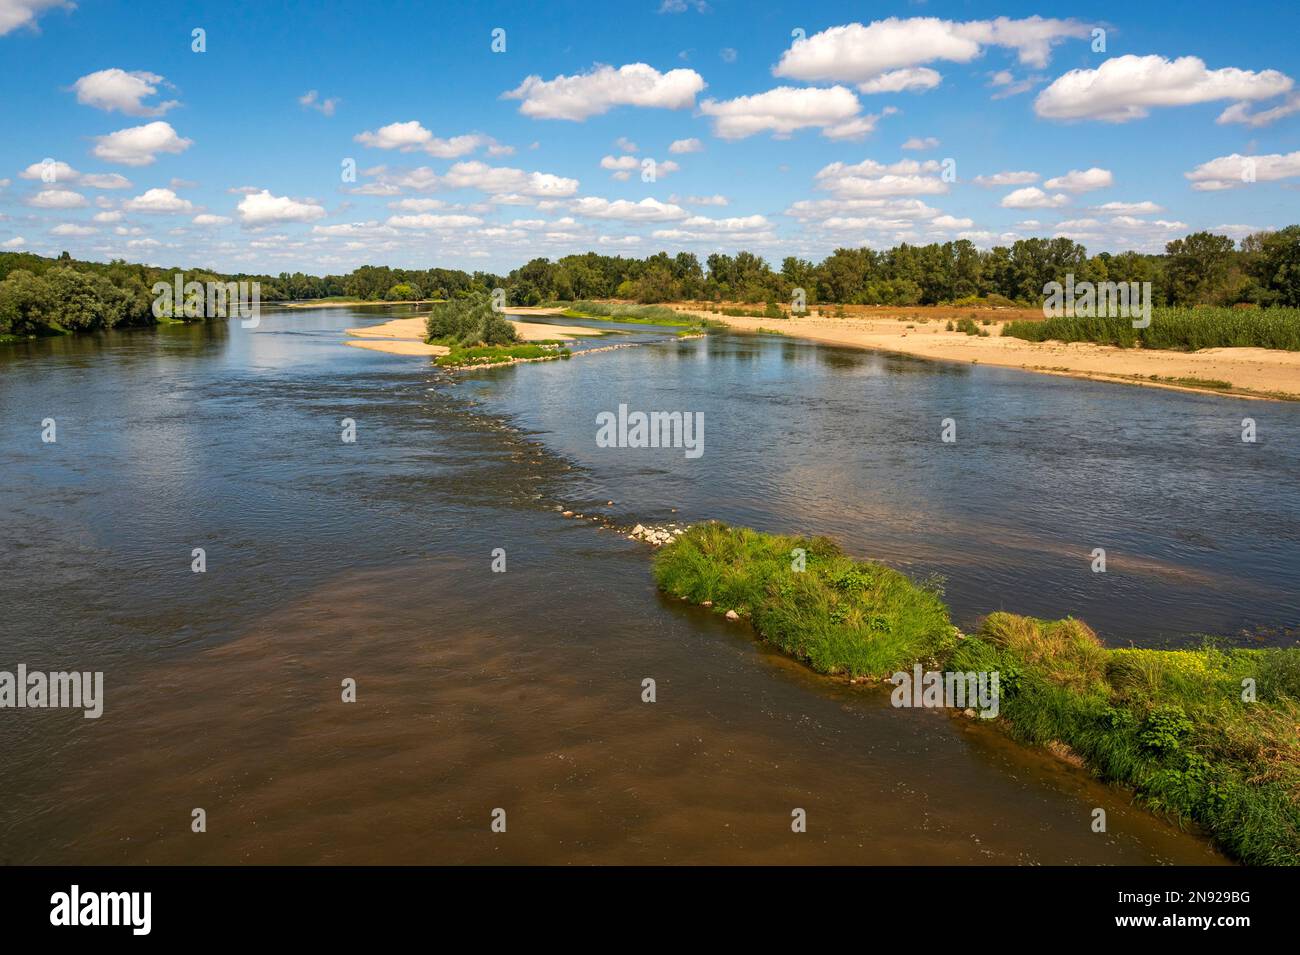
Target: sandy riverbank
{"x": 405, "y": 336}
{"x": 1251, "y": 372}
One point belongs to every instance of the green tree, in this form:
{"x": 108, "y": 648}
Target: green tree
{"x": 402, "y": 292}
{"x": 1273, "y": 261}
{"x": 657, "y": 284}
{"x": 1197, "y": 268}
{"x": 27, "y": 304}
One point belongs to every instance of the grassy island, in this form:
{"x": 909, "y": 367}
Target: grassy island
{"x": 1208, "y": 735}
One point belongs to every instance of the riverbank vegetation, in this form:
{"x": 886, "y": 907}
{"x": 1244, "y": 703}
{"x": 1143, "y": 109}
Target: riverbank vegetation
{"x": 1205, "y": 735}
{"x": 54, "y": 296}
{"x": 1182, "y": 329}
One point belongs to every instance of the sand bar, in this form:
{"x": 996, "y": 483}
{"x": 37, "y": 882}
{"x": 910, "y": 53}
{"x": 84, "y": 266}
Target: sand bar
{"x": 405, "y": 336}
{"x": 394, "y": 346}
{"x": 1252, "y": 372}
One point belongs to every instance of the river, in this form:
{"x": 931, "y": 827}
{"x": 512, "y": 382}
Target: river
{"x": 371, "y": 561}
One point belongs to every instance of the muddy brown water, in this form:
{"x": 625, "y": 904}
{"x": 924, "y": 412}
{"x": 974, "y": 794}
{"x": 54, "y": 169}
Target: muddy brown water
{"x": 518, "y": 690}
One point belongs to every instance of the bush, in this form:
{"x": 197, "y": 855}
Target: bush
{"x": 467, "y": 322}
{"x": 968, "y": 326}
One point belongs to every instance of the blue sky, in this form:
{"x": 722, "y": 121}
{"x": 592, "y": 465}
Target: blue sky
{"x": 886, "y": 122}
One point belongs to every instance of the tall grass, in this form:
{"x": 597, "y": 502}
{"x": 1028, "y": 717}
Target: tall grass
{"x": 1182, "y": 329}
{"x": 636, "y": 314}
{"x": 1172, "y": 725}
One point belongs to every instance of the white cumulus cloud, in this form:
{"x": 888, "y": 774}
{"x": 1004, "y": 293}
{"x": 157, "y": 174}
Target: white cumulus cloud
{"x": 410, "y": 136}
{"x": 262, "y": 208}
{"x": 434, "y": 222}
{"x": 1082, "y": 180}
{"x": 907, "y": 80}
{"x": 21, "y": 13}
{"x": 1031, "y": 197}
{"x": 646, "y": 210}
{"x": 871, "y": 179}
{"x": 603, "y": 88}
{"x": 116, "y": 89}
{"x": 782, "y": 111}
{"x": 51, "y": 172}
{"x": 1229, "y": 172}
{"x": 503, "y": 180}
{"x": 866, "y": 54}
{"x": 57, "y": 199}
{"x": 1127, "y": 87}
{"x": 158, "y": 201}
{"x": 140, "y": 145}
{"x": 73, "y": 229}
{"x": 1241, "y": 113}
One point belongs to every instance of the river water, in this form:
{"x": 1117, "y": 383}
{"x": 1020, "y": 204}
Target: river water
{"x": 372, "y": 561}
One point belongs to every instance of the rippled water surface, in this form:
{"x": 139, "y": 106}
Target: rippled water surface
{"x": 521, "y": 690}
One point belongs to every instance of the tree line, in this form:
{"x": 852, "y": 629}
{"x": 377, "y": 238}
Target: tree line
{"x": 1199, "y": 269}
{"x": 39, "y": 295}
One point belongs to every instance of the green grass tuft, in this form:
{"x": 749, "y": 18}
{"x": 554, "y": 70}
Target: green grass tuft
{"x": 839, "y": 615}
{"x": 497, "y": 354}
